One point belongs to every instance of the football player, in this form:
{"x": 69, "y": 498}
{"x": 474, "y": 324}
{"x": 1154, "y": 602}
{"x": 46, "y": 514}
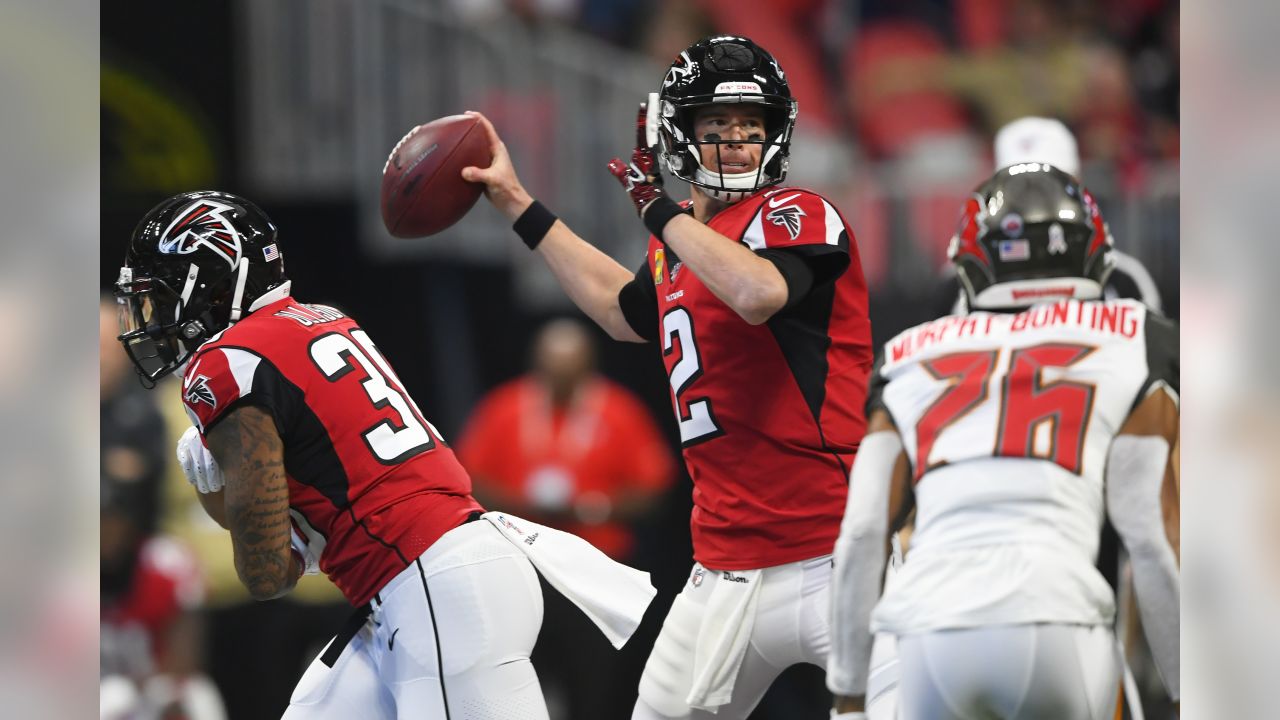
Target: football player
{"x": 1011, "y": 429}
{"x": 306, "y": 446}
{"x": 1046, "y": 140}
{"x": 755, "y": 295}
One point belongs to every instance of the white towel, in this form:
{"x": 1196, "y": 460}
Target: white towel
{"x": 727, "y": 622}
{"x": 614, "y": 596}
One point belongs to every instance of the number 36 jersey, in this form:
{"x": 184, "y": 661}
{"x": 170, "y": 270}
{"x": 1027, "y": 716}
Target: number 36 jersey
{"x": 1007, "y": 420}
{"x": 365, "y": 469}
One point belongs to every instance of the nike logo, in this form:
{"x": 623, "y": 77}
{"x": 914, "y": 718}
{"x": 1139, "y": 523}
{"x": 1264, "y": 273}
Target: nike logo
{"x": 776, "y": 202}
{"x": 391, "y": 641}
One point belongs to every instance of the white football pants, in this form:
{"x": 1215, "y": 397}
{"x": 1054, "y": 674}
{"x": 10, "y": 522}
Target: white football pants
{"x": 791, "y": 626}
{"x": 449, "y": 638}
{"x": 1009, "y": 672}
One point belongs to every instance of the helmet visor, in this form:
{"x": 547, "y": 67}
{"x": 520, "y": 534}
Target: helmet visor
{"x": 148, "y": 337}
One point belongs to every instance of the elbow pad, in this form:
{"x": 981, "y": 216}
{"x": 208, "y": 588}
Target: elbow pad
{"x": 859, "y": 563}
{"x": 1135, "y": 475}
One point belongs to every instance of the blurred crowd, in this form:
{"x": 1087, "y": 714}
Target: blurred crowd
{"x": 895, "y": 76}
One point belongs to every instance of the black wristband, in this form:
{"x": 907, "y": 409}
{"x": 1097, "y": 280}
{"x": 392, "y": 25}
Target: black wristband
{"x": 659, "y": 213}
{"x": 534, "y": 224}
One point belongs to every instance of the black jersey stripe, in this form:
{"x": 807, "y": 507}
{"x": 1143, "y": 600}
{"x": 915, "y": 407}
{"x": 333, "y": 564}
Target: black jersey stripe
{"x": 802, "y": 334}
{"x": 309, "y": 454}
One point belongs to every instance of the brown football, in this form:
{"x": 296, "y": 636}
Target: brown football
{"x": 422, "y": 187}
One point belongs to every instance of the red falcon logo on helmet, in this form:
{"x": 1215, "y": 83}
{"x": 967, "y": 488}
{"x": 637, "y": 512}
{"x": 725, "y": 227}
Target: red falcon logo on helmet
{"x": 203, "y": 223}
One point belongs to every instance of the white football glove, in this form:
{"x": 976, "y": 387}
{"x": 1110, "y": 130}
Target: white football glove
{"x": 308, "y": 543}
{"x": 197, "y": 463}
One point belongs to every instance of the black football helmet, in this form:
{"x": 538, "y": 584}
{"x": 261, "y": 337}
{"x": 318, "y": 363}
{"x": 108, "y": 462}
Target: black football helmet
{"x": 725, "y": 69}
{"x": 196, "y": 264}
{"x": 1031, "y": 233}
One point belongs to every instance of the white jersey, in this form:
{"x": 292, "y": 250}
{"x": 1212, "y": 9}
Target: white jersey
{"x": 1007, "y": 420}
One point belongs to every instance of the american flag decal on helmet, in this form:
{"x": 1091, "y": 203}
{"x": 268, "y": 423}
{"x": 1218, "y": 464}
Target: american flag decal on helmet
{"x": 203, "y": 223}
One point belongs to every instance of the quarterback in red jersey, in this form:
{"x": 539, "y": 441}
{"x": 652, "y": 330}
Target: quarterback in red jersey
{"x": 754, "y": 292}
{"x": 317, "y": 459}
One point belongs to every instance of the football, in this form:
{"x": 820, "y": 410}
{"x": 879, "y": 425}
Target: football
{"x": 423, "y": 191}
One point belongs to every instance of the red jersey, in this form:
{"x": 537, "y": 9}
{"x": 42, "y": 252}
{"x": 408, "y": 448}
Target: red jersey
{"x": 365, "y": 468}
{"x": 602, "y": 447}
{"x": 770, "y": 415}
{"x": 164, "y": 583}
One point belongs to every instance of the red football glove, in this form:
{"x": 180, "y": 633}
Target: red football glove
{"x": 641, "y": 179}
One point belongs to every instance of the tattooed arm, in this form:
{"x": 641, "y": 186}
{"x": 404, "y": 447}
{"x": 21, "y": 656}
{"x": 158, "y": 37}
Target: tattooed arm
{"x": 249, "y": 451}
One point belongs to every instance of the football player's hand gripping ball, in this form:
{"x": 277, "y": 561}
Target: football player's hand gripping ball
{"x": 641, "y": 179}
{"x": 197, "y": 463}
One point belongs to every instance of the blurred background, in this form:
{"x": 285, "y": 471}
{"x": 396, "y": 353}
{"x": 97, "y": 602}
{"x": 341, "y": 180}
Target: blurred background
{"x": 296, "y": 105}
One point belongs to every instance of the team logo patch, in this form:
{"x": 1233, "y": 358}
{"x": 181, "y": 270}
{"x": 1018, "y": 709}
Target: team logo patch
{"x": 198, "y": 391}
{"x": 1014, "y": 250}
{"x": 204, "y": 223}
{"x": 789, "y": 218}
{"x": 659, "y": 260}
{"x": 675, "y": 269}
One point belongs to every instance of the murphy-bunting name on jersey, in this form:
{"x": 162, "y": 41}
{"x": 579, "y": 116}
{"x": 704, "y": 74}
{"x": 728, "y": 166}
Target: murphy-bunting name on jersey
{"x": 1105, "y": 318}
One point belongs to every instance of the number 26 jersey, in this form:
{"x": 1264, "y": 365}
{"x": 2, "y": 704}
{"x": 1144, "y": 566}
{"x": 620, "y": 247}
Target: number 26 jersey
{"x": 1007, "y": 421}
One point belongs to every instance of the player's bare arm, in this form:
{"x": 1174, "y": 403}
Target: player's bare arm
{"x": 250, "y": 452}
{"x": 215, "y": 506}
{"x": 879, "y": 499}
{"x": 591, "y": 278}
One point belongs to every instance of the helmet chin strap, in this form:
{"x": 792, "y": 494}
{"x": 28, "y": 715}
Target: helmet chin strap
{"x": 237, "y": 297}
{"x": 734, "y": 186}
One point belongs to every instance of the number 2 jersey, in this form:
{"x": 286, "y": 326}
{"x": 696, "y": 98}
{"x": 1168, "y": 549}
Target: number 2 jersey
{"x": 770, "y": 415}
{"x": 365, "y": 469}
{"x": 1007, "y": 420}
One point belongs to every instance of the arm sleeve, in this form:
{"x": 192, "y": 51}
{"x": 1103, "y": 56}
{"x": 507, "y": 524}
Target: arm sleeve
{"x": 875, "y": 387}
{"x": 639, "y": 302}
{"x": 806, "y": 268}
{"x": 1134, "y": 476}
{"x": 859, "y": 563}
{"x": 1163, "y": 363}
